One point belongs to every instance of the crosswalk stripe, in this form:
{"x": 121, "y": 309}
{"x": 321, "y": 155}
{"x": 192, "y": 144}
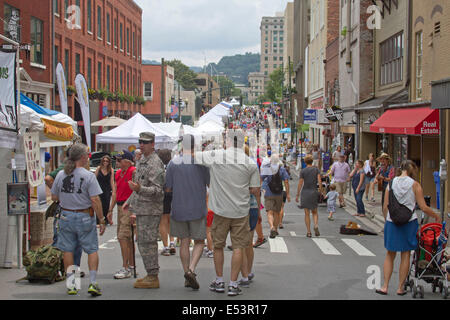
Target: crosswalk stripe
{"x": 326, "y": 247}
{"x": 277, "y": 245}
{"x": 358, "y": 248}
{"x": 293, "y": 234}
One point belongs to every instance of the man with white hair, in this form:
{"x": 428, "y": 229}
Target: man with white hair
{"x": 234, "y": 174}
{"x": 272, "y": 176}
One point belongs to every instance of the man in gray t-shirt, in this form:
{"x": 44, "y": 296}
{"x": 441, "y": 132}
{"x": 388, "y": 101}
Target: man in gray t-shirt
{"x": 188, "y": 182}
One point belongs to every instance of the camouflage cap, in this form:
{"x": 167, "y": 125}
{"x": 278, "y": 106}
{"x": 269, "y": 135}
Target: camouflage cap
{"x": 147, "y": 136}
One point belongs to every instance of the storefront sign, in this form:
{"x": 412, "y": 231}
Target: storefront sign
{"x": 310, "y": 116}
{"x": 18, "y": 198}
{"x": 57, "y": 130}
{"x": 317, "y": 103}
{"x": 35, "y": 174}
{"x": 429, "y": 127}
{"x": 8, "y": 110}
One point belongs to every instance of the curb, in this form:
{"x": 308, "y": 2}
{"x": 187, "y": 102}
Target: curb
{"x": 370, "y": 215}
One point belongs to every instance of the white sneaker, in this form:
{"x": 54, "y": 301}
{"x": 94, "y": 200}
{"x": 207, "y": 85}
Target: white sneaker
{"x": 210, "y": 254}
{"x": 122, "y": 274}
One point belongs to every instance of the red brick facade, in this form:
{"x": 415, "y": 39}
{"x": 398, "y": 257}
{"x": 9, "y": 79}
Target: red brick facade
{"x": 107, "y": 49}
{"x": 152, "y": 73}
{"x": 38, "y": 67}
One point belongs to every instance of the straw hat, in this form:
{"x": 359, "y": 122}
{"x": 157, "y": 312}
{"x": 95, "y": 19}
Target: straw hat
{"x": 384, "y": 156}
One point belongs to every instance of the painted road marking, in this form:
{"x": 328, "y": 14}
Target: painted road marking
{"x": 293, "y": 234}
{"x": 358, "y": 248}
{"x": 103, "y": 246}
{"x": 326, "y": 247}
{"x": 277, "y": 245}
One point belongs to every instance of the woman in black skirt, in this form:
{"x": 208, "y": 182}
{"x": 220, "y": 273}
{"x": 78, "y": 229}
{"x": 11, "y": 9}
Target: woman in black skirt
{"x": 105, "y": 178}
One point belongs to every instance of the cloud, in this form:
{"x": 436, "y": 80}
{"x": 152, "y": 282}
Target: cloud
{"x": 189, "y": 30}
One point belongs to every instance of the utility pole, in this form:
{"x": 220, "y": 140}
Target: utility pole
{"x": 163, "y": 82}
{"x": 179, "y": 101}
{"x": 290, "y": 103}
{"x": 282, "y": 95}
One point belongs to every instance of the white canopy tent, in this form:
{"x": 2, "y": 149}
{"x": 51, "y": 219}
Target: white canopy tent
{"x": 128, "y": 133}
{"x": 173, "y": 129}
{"x": 30, "y": 119}
{"x": 210, "y": 128}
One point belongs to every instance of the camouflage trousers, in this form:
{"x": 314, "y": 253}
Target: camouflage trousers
{"x": 147, "y": 237}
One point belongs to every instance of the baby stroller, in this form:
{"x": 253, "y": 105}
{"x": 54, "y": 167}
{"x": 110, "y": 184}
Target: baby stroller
{"x": 325, "y": 188}
{"x": 428, "y": 263}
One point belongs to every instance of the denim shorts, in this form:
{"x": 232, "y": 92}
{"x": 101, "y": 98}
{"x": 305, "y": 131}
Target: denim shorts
{"x": 77, "y": 228}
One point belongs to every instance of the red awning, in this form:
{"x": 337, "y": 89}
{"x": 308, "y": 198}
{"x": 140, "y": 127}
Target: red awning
{"x": 420, "y": 121}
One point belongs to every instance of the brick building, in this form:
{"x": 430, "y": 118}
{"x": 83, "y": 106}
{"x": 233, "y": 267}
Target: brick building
{"x": 102, "y": 42}
{"x": 31, "y": 25}
{"x": 151, "y": 78}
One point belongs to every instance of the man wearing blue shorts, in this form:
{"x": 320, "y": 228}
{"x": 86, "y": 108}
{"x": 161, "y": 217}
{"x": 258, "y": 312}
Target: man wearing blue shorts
{"x": 78, "y": 192}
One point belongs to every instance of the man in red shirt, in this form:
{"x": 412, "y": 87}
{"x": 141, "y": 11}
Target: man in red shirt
{"x": 123, "y": 192}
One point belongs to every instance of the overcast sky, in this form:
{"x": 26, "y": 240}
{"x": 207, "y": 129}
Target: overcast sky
{"x": 195, "y": 30}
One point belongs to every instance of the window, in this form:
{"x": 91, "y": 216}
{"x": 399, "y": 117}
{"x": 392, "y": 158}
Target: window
{"x": 115, "y": 32}
{"x": 56, "y": 6}
{"x": 133, "y": 45}
{"x": 281, "y": 59}
{"x": 148, "y": 90}
{"x": 128, "y": 40}
{"x": 55, "y": 56}
{"x": 66, "y": 9}
{"x": 108, "y": 76}
{"x": 275, "y": 38}
{"x": 275, "y": 66}
{"x": 121, "y": 80}
{"x": 274, "y": 58}
{"x": 391, "y": 52}
{"x": 99, "y": 76}
{"x": 66, "y": 64}
{"x": 89, "y": 73}
{"x": 128, "y": 83}
{"x": 121, "y": 36}
{"x": 99, "y": 22}
{"x": 89, "y": 15}
{"x": 108, "y": 28}
{"x": 77, "y": 63}
{"x": 12, "y": 23}
{"x": 266, "y": 58}
{"x": 36, "y": 40}
{"x": 419, "y": 72}
{"x": 78, "y": 16}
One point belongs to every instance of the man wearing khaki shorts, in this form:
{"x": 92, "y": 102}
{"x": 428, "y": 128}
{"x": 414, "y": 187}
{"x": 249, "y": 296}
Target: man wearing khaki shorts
{"x": 123, "y": 192}
{"x": 233, "y": 177}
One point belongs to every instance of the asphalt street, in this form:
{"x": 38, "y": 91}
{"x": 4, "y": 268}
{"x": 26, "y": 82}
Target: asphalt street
{"x": 290, "y": 267}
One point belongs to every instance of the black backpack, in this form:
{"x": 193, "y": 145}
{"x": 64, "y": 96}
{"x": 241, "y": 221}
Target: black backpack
{"x": 276, "y": 184}
{"x": 399, "y": 213}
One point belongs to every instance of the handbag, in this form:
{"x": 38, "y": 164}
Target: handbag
{"x": 399, "y": 213}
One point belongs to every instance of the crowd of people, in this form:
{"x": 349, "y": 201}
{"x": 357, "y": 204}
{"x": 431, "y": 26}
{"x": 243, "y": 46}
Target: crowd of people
{"x": 180, "y": 198}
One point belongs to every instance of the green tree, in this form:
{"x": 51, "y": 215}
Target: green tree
{"x": 183, "y": 74}
{"x": 274, "y": 86}
{"x": 227, "y": 87}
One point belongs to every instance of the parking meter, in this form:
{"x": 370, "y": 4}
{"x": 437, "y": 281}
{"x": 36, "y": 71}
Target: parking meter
{"x": 443, "y": 170}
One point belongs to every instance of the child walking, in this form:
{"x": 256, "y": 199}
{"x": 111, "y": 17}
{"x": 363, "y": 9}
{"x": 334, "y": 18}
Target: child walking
{"x": 331, "y": 201}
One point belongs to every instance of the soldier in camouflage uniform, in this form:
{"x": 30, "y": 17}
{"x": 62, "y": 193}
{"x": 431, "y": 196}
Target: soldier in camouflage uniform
{"x": 146, "y": 204}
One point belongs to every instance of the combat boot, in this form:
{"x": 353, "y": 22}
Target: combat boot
{"x": 149, "y": 282}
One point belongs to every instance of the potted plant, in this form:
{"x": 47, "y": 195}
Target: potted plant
{"x": 120, "y": 97}
{"x": 71, "y": 90}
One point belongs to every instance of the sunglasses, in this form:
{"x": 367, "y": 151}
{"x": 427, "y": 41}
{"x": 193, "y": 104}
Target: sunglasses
{"x": 144, "y": 142}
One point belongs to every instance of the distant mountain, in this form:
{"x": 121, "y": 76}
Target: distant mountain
{"x": 196, "y": 69}
{"x": 152, "y": 62}
{"x": 236, "y": 68}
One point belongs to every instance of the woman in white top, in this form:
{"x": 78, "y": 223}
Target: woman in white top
{"x": 403, "y": 239}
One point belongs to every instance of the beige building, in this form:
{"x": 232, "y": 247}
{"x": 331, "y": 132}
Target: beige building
{"x": 209, "y": 88}
{"x": 289, "y": 39}
{"x": 257, "y": 82}
{"x": 272, "y": 43}
{"x": 429, "y": 62}
{"x": 316, "y": 73}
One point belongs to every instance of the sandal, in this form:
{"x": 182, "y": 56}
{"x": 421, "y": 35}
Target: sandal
{"x": 402, "y": 293}
{"x": 379, "y": 291}
{"x": 316, "y": 231}
{"x": 309, "y": 235}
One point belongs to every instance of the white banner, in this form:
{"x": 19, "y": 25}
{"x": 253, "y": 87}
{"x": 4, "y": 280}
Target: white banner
{"x": 62, "y": 88}
{"x": 35, "y": 173}
{"x": 83, "y": 98}
{"x": 8, "y": 110}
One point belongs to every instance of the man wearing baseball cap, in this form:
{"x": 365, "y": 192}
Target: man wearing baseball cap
{"x": 123, "y": 192}
{"x": 146, "y": 203}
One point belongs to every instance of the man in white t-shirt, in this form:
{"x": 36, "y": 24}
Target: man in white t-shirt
{"x": 233, "y": 176}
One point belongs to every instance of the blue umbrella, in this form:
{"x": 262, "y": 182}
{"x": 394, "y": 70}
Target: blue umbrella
{"x": 285, "y": 130}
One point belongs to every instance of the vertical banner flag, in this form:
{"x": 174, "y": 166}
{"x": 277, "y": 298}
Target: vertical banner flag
{"x": 33, "y": 159}
{"x": 62, "y": 88}
{"x": 83, "y": 98}
{"x": 8, "y": 109}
